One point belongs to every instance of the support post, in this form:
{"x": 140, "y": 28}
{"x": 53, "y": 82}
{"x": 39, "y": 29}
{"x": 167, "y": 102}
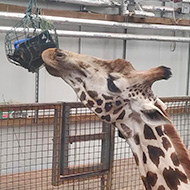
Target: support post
{"x": 64, "y": 139}
{"x": 58, "y": 119}
{"x": 188, "y": 73}
{"x": 111, "y": 158}
{"x": 37, "y": 76}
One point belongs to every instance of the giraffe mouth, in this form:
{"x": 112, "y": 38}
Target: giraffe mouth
{"x": 49, "y": 62}
{"x": 54, "y": 61}
{"x": 57, "y": 62}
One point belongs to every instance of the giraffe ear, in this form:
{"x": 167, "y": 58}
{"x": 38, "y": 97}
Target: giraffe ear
{"x": 152, "y": 115}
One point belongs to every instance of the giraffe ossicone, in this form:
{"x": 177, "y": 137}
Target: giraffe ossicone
{"x": 122, "y": 96}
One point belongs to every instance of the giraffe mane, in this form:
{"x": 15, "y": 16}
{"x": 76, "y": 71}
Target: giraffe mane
{"x": 182, "y": 153}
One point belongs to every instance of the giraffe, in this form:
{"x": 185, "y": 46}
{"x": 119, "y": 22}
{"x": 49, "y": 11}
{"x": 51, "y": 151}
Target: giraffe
{"x": 122, "y": 96}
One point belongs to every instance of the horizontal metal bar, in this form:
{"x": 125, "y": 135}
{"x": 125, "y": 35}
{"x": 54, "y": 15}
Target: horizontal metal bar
{"x": 78, "y": 170}
{"x": 79, "y": 138}
{"x": 84, "y": 175}
{"x": 33, "y": 106}
{"x": 79, "y": 34}
{"x": 90, "y": 3}
{"x": 122, "y": 36}
{"x": 175, "y": 99}
{"x": 98, "y": 23}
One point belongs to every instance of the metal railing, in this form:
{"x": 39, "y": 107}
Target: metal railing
{"x": 65, "y": 146}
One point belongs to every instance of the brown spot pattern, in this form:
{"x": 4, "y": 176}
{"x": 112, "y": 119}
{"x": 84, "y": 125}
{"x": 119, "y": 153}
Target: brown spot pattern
{"x": 99, "y": 102}
{"x": 117, "y": 110}
{"x": 121, "y": 115}
{"x": 148, "y": 132}
{"x": 151, "y": 178}
{"x": 79, "y": 79}
{"x": 146, "y": 184}
{"x": 155, "y": 153}
{"x": 144, "y": 158}
{"x": 92, "y": 94}
{"x": 106, "y": 117}
{"x": 136, "y": 158}
{"x": 166, "y": 143}
{"x": 98, "y": 110}
{"x": 82, "y": 96}
{"x": 174, "y": 159}
{"x": 159, "y": 131}
{"x": 108, "y": 106}
{"x": 126, "y": 129}
{"x": 90, "y": 103}
{"x": 77, "y": 90}
{"x": 107, "y": 97}
{"x": 118, "y": 102}
{"x": 137, "y": 139}
{"x": 173, "y": 178}
{"x": 161, "y": 187}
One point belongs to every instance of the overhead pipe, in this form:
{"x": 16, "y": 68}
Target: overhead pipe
{"x": 158, "y": 8}
{"x": 98, "y": 23}
{"x": 128, "y": 8}
{"x": 185, "y": 1}
{"x": 142, "y": 13}
{"x": 122, "y": 36}
{"x": 79, "y": 34}
{"x": 91, "y": 3}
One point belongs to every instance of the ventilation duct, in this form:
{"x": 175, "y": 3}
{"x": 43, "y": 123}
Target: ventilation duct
{"x": 92, "y": 2}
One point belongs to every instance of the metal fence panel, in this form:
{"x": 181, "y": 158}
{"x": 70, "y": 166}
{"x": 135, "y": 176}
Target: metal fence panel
{"x": 65, "y": 146}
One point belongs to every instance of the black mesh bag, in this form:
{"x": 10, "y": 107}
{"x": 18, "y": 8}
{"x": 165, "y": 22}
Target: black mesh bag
{"x": 25, "y": 42}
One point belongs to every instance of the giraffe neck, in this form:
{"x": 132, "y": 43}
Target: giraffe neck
{"x": 159, "y": 161}
{"x": 160, "y": 164}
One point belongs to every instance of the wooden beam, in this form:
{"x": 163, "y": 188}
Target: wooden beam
{"x": 64, "y": 13}
{"x": 166, "y": 21}
{"x": 12, "y": 8}
{"x": 90, "y": 137}
{"x": 45, "y": 120}
{"x": 75, "y": 118}
{"x": 105, "y": 17}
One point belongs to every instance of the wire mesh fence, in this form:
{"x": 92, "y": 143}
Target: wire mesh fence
{"x": 65, "y": 146}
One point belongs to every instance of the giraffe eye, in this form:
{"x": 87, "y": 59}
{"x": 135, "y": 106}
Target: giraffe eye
{"x": 111, "y": 86}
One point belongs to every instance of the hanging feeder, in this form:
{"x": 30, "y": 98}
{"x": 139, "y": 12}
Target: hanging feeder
{"x": 25, "y": 42}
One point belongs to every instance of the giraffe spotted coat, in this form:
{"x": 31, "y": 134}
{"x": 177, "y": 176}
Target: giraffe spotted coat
{"x": 122, "y": 96}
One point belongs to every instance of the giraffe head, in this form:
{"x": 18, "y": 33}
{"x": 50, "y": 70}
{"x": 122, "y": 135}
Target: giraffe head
{"x": 113, "y": 89}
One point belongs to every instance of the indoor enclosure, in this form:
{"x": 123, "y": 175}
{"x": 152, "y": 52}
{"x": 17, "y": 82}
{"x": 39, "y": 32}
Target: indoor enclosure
{"x": 48, "y": 138}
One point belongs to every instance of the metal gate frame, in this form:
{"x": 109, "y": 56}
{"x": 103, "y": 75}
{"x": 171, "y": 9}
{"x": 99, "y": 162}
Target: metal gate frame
{"x": 60, "y": 170}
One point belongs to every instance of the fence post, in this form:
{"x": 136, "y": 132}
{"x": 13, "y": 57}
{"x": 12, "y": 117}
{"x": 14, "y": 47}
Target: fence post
{"x": 111, "y": 156}
{"x": 105, "y": 153}
{"x": 57, "y": 144}
{"x": 64, "y": 140}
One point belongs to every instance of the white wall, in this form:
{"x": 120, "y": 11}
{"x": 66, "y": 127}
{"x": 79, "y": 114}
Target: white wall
{"x": 18, "y": 84}
{"x": 146, "y": 54}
